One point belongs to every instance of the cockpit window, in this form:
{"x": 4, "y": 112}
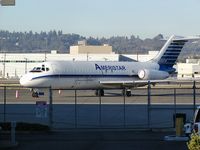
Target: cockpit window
{"x": 36, "y": 69}
{"x": 40, "y": 69}
{"x": 43, "y": 68}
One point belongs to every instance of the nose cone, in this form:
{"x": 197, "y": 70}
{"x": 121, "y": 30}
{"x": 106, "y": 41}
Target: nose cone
{"x": 25, "y": 80}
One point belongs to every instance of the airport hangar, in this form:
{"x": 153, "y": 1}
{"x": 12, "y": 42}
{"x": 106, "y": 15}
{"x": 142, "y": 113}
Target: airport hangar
{"x": 14, "y": 65}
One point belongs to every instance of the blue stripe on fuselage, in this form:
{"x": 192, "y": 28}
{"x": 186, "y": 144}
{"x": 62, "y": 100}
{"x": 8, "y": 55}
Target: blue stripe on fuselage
{"x": 78, "y": 75}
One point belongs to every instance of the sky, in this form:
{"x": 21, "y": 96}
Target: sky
{"x": 104, "y": 18}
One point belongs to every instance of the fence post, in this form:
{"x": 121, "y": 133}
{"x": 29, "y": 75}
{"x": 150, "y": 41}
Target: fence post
{"x": 13, "y": 127}
{"x": 174, "y": 101}
{"x": 124, "y": 108}
{"x": 75, "y": 92}
{"x": 194, "y": 96}
{"x": 4, "y": 104}
{"x": 149, "y": 103}
{"x": 100, "y": 110}
{"x": 50, "y": 107}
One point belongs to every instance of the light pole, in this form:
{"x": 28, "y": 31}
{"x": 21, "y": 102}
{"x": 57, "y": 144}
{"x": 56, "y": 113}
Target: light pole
{"x": 87, "y": 56}
{"x": 45, "y": 56}
{"x": 4, "y": 66}
{"x": 45, "y": 53}
{"x": 25, "y": 65}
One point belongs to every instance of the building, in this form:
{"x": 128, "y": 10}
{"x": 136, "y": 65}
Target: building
{"x": 190, "y": 69}
{"x": 83, "y": 48}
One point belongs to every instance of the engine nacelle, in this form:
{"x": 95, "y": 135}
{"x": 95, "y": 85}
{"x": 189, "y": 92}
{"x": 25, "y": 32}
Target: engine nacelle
{"x": 152, "y": 74}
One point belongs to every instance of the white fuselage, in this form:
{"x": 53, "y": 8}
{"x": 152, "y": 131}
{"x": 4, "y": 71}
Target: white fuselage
{"x": 83, "y": 75}
{"x": 98, "y": 75}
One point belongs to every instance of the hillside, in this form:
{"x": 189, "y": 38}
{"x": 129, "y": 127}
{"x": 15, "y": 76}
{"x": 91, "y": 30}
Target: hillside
{"x": 46, "y": 41}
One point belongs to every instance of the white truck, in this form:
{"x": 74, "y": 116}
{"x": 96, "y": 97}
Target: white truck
{"x": 195, "y": 125}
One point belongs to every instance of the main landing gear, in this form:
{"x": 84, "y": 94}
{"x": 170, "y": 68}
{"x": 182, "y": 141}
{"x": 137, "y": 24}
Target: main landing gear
{"x": 127, "y": 92}
{"x": 99, "y": 92}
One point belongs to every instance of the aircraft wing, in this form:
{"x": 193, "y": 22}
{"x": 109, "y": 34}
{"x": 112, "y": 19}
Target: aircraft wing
{"x": 119, "y": 83}
{"x": 123, "y": 84}
{"x": 138, "y": 83}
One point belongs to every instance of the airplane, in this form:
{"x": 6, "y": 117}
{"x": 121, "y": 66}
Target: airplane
{"x": 100, "y": 75}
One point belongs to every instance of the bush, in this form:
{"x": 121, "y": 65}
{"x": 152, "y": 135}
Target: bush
{"x": 194, "y": 143}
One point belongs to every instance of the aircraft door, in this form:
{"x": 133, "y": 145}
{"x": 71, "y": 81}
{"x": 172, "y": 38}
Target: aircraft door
{"x": 54, "y": 68}
{"x": 56, "y": 80}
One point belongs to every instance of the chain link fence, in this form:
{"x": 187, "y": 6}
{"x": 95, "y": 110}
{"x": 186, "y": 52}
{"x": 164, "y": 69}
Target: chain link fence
{"x": 148, "y": 107}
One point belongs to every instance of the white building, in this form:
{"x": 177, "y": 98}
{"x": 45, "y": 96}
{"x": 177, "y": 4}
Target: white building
{"x": 90, "y": 49}
{"x": 190, "y": 69}
{"x": 14, "y": 65}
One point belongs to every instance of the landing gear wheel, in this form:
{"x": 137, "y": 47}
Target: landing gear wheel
{"x": 128, "y": 93}
{"x": 35, "y": 94}
{"x": 99, "y": 92}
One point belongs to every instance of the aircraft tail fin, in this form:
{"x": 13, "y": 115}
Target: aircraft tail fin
{"x": 169, "y": 53}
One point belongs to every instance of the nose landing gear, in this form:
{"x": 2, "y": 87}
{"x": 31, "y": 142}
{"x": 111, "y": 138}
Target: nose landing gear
{"x": 35, "y": 94}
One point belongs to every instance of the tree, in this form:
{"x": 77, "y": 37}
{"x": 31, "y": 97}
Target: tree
{"x": 194, "y": 143}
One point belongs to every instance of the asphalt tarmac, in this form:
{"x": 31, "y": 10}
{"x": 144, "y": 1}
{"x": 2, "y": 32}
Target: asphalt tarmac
{"x": 97, "y": 140}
